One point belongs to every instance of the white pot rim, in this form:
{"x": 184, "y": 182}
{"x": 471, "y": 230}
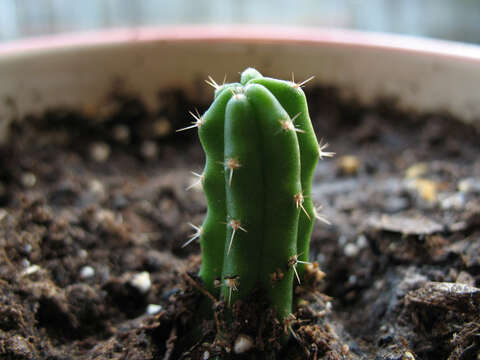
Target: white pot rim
{"x": 245, "y": 33}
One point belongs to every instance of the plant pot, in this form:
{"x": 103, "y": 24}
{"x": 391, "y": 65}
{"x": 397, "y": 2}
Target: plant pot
{"x": 94, "y": 212}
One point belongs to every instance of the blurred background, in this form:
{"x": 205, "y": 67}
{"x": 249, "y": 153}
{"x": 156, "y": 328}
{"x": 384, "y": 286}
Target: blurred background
{"x": 444, "y": 19}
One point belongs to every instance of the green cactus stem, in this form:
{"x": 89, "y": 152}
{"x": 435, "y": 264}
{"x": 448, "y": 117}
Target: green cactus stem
{"x": 261, "y": 152}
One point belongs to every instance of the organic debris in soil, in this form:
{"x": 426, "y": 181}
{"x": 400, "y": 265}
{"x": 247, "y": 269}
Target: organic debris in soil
{"x": 254, "y": 329}
{"x": 94, "y": 213}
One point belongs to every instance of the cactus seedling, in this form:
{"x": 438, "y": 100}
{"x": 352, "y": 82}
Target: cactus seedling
{"x": 261, "y": 153}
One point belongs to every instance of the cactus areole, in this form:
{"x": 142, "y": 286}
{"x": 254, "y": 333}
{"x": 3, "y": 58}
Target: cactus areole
{"x": 261, "y": 152}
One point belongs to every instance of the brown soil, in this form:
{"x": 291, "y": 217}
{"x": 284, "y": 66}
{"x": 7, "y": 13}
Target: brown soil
{"x": 93, "y": 207}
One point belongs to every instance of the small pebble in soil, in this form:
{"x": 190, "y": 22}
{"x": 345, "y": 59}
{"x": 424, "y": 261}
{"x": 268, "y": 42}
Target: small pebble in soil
{"x": 25, "y": 263}
{"x": 32, "y": 269}
{"x": 119, "y": 201}
{"x": 469, "y": 185}
{"x": 149, "y": 149}
{"x": 96, "y": 187}
{"x": 104, "y": 215}
{"x": 243, "y": 343}
{"x": 99, "y": 152}
{"x": 86, "y": 272}
{"x": 352, "y": 279}
{"x": 394, "y": 204}
{"x": 465, "y": 278}
{"x": 28, "y": 179}
{"x": 162, "y": 127}
{"x": 153, "y": 309}
{"x": 27, "y": 248}
{"x": 351, "y": 250}
{"x": 362, "y": 241}
{"x": 456, "y": 201}
{"x": 82, "y": 253}
{"x": 141, "y": 282}
{"x": 416, "y": 170}
{"x": 342, "y": 240}
{"x": 3, "y": 214}
{"x": 427, "y": 189}
{"x": 348, "y": 164}
{"x": 121, "y": 133}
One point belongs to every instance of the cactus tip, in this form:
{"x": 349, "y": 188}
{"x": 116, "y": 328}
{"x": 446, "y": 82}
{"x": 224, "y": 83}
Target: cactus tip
{"x": 249, "y": 74}
{"x": 238, "y": 92}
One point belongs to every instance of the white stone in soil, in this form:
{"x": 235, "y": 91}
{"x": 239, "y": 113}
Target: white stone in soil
{"x": 455, "y": 201}
{"x": 149, "y": 149}
{"x": 121, "y": 133}
{"x": 96, "y": 187}
{"x": 153, "y": 309}
{"x": 87, "y": 272}
{"x": 3, "y": 214}
{"x": 351, "y": 250}
{"x": 142, "y": 282}
{"x": 162, "y": 127}
{"x": 243, "y": 343}
{"x": 27, "y": 248}
{"x": 469, "y": 185}
{"x": 100, "y": 151}
{"x": 362, "y": 241}
{"x": 32, "y": 269}
{"x": 28, "y": 179}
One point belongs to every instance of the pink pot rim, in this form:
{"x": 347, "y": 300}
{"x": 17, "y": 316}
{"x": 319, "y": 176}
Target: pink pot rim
{"x": 245, "y": 34}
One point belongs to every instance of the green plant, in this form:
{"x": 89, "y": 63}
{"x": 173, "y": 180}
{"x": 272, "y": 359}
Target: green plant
{"x": 261, "y": 152}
